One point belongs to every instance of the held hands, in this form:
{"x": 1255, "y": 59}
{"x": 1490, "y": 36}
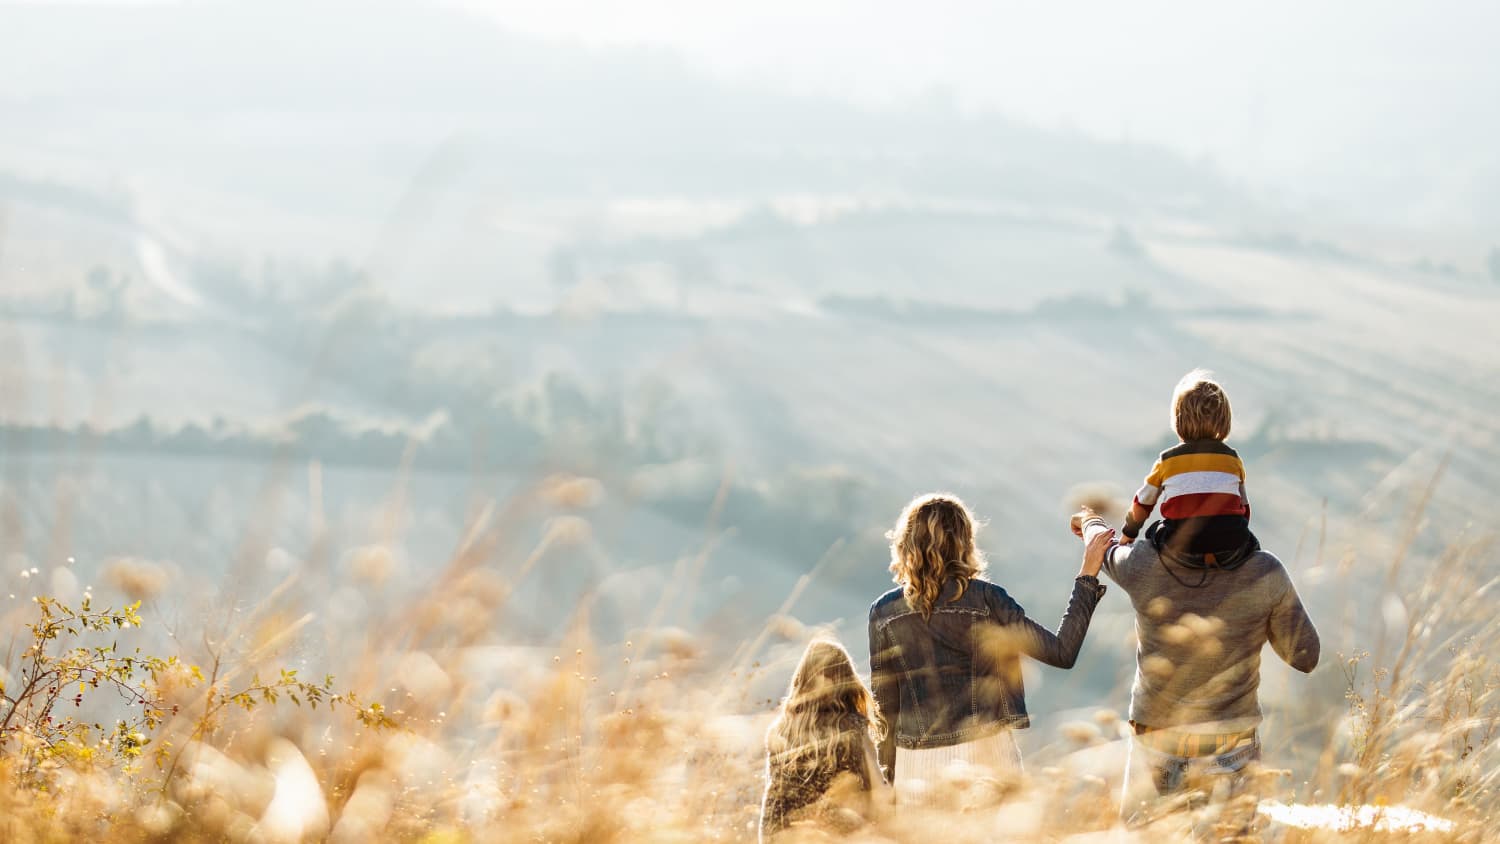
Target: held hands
{"x": 1077, "y": 519}
{"x": 1094, "y": 551}
{"x": 1097, "y": 547}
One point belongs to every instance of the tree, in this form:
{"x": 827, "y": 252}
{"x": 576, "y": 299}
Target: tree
{"x": 73, "y": 673}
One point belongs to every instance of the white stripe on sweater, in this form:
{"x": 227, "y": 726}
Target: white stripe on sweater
{"x": 1197, "y": 483}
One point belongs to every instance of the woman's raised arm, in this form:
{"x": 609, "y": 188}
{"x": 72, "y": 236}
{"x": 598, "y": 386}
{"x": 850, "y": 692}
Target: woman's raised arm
{"x": 1021, "y": 633}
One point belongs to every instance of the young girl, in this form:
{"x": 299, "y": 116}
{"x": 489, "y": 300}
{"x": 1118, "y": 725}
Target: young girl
{"x": 820, "y": 756}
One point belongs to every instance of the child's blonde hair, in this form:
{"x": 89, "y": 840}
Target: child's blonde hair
{"x": 825, "y": 703}
{"x": 933, "y": 540}
{"x": 1200, "y": 408}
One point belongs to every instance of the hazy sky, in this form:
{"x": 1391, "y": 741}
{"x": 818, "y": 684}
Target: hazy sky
{"x": 1274, "y": 91}
{"x": 1378, "y": 109}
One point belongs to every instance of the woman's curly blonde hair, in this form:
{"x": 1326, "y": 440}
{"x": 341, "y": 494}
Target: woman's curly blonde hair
{"x": 933, "y": 541}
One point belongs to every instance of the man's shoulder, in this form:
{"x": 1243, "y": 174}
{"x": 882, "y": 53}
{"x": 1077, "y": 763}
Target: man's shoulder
{"x": 1267, "y": 564}
{"x": 1133, "y": 554}
{"x": 1143, "y": 552}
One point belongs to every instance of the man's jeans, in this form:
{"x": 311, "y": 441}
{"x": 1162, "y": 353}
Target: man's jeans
{"x": 1177, "y": 781}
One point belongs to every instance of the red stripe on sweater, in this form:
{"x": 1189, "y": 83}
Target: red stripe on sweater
{"x": 1204, "y": 504}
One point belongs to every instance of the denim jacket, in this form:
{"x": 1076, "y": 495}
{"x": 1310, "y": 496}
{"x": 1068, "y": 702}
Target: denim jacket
{"x": 956, "y": 676}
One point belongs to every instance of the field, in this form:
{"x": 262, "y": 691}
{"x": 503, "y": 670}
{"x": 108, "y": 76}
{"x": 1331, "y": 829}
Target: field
{"x": 489, "y": 708}
{"x": 528, "y": 408}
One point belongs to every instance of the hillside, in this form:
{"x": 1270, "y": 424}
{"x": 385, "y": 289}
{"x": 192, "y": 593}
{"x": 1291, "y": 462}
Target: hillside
{"x": 646, "y": 348}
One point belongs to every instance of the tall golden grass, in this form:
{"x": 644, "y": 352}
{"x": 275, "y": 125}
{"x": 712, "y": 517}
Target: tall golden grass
{"x": 655, "y": 738}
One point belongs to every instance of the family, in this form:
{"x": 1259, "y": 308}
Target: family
{"x": 945, "y": 687}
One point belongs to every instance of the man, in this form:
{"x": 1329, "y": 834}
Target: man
{"x": 1201, "y": 620}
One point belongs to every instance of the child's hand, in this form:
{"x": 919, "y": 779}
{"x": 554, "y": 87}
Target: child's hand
{"x": 1126, "y": 540}
{"x": 1077, "y": 519}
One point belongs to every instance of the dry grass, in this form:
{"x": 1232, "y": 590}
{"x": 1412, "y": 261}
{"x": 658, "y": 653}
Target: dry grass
{"x": 659, "y": 737}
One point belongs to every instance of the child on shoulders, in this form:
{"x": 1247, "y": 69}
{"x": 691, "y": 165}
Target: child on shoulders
{"x": 1198, "y": 484}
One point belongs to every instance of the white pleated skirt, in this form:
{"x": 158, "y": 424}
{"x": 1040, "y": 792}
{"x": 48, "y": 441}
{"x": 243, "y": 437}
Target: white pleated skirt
{"x": 923, "y": 776}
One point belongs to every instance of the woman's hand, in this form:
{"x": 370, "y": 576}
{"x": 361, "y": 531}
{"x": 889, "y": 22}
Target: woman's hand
{"x": 1093, "y": 553}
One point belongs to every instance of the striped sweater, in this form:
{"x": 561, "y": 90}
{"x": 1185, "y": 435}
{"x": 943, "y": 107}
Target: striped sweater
{"x": 1202, "y": 481}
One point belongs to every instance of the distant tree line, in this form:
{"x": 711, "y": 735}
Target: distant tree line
{"x": 461, "y": 415}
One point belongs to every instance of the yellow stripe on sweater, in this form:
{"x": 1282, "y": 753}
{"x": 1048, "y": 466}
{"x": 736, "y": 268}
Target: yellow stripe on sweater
{"x": 1226, "y": 463}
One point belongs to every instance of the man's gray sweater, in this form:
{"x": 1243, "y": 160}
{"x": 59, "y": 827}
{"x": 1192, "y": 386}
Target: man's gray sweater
{"x": 1200, "y": 633}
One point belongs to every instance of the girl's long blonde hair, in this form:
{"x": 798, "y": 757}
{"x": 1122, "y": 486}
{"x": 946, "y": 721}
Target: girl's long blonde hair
{"x": 824, "y": 703}
{"x": 932, "y": 542}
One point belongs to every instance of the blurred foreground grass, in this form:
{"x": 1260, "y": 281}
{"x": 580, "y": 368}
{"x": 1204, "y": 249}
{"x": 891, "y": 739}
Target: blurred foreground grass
{"x": 128, "y": 725}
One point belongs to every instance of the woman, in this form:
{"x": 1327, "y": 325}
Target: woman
{"x": 945, "y": 648}
{"x": 819, "y": 755}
